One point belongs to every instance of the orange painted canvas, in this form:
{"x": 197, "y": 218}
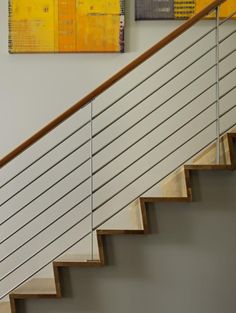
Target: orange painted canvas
{"x": 41, "y": 26}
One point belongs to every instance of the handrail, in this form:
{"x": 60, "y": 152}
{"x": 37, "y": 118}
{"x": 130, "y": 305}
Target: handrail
{"x": 110, "y": 82}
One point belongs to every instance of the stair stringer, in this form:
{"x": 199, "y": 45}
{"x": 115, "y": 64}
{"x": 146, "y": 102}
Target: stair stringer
{"x": 103, "y": 233}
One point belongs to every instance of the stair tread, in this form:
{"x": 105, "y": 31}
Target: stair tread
{"x": 208, "y": 167}
{"x": 5, "y": 307}
{"x": 39, "y": 286}
{"x": 120, "y": 231}
{"x": 75, "y": 258}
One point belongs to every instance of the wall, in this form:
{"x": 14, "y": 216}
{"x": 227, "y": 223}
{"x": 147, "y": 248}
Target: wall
{"x": 186, "y": 264}
{"x": 36, "y": 88}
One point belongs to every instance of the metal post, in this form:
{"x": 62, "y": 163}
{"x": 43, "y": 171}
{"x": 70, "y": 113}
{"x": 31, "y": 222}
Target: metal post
{"x": 91, "y": 175}
{"x": 217, "y": 86}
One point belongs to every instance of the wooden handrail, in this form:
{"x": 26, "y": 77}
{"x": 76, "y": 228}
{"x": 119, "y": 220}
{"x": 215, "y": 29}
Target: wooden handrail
{"x": 107, "y": 84}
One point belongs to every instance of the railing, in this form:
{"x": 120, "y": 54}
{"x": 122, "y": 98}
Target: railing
{"x": 91, "y": 176}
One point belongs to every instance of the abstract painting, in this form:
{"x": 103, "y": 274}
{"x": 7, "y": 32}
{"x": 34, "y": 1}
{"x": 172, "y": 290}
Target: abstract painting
{"x": 44, "y": 26}
{"x": 177, "y": 9}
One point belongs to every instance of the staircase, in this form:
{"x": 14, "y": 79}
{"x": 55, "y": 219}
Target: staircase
{"x": 124, "y": 284}
{"x": 99, "y": 179}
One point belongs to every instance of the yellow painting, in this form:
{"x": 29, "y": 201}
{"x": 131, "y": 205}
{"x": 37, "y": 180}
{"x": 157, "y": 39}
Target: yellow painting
{"x": 41, "y": 26}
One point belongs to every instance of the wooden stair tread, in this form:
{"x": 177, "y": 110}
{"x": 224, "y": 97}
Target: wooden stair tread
{"x": 76, "y": 260}
{"x": 208, "y": 167}
{"x": 164, "y": 199}
{"x": 37, "y": 286}
{"x": 120, "y": 232}
{"x": 72, "y": 258}
{"x": 5, "y": 307}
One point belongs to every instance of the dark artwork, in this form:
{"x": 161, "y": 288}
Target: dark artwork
{"x": 154, "y": 9}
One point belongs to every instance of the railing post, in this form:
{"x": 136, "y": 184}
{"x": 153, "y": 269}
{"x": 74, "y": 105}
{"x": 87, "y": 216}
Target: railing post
{"x": 91, "y": 177}
{"x": 217, "y": 86}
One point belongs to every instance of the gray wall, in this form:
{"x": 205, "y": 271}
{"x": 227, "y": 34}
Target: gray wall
{"x": 187, "y": 263}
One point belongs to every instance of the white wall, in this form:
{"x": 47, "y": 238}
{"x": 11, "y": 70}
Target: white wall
{"x": 36, "y": 88}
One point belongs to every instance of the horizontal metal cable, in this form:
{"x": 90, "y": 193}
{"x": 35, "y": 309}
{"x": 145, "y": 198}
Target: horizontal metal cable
{"x": 227, "y": 111}
{"x": 65, "y": 213}
{"x": 163, "y": 103}
{"x": 140, "y": 120}
{"x": 164, "y": 65}
{"x": 106, "y": 220}
{"x": 43, "y": 155}
{"x": 162, "y": 141}
{"x": 75, "y": 224}
{"x": 46, "y": 264}
{"x": 161, "y": 86}
{"x": 149, "y": 132}
{"x": 47, "y": 245}
{"x": 46, "y": 209}
{"x": 45, "y": 172}
{"x": 45, "y": 191}
{"x": 158, "y": 107}
{"x": 153, "y": 185}
{"x": 156, "y": 71}
{"x": 142, "y": 174}
{"x": 172, "y": 171}
{"x": 42, "y": 230}
{"x": 205, "y": 109}
{"x": 118, "y": 192}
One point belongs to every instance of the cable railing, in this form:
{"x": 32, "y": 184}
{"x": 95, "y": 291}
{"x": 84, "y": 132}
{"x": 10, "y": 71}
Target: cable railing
{"x": 121, "y": 209}
{"x": 160, "y": 87}
{"x": 94, "y": 210}
{"x": 120, "y": 98}
{"x": 125, "y": 131}
{"x": 106, "y": 85}
{"x": 158, "y": 144}
{"x": 126, "y": 112}
{"x": 158, "y": 107}
{"x": 113, "y": 103}
{"x": 47, "y": 152}
{"x": 35, "y": 217}
{"x": 96, "y": 206}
